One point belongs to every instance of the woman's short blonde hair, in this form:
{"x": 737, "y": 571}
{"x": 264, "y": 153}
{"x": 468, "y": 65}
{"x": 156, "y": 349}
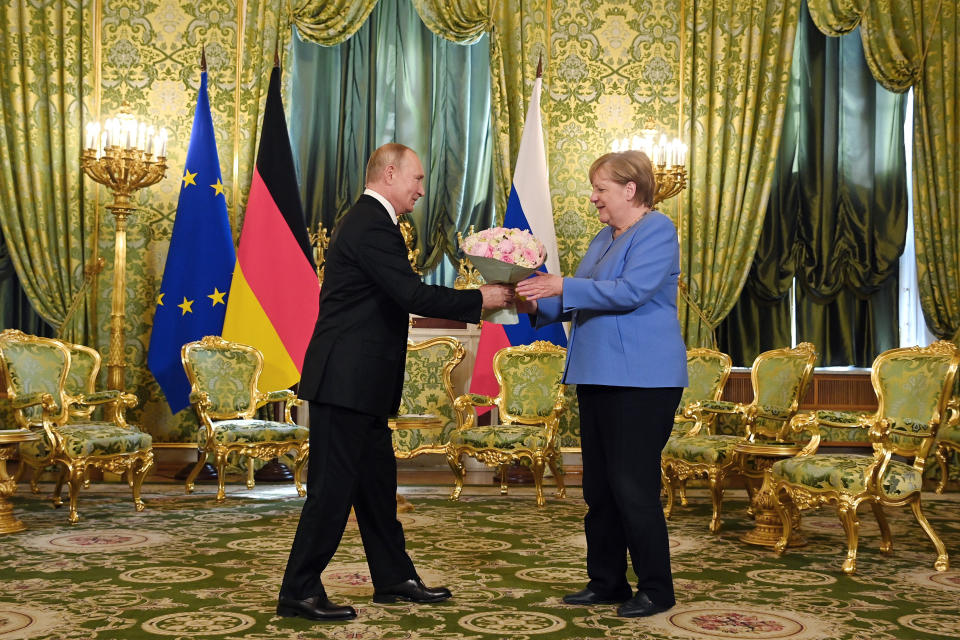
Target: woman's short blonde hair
{"x": 629, "y": 166}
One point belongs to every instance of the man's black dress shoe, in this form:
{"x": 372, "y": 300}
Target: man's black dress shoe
{"x": 588, "y": 597}
{"x": 639, "y": 606}
{"x": 411, "y": 591}
{"x": 317, "y": 607}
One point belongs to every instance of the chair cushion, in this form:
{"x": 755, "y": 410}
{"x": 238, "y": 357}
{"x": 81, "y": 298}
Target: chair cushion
{"x": 91, "y": 439}
{"x": 253, "y": 431}
{"x": 703, "y": 449}
{"x": 502, "y": 436}
{"x": 846, "y": 474}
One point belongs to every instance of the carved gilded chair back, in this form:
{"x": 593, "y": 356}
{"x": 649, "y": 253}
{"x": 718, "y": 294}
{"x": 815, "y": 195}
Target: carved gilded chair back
{"x": 428, "y": 390}
{"x": 227, "y": 372}
{"x": 913, "y": 407}
{"x": 529, "y": 378}
{"x": 779, "y": 377}
{"x": 34, "y": 365}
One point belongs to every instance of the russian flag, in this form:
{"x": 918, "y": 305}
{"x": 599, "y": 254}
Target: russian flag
{"x": 529, "y": 207}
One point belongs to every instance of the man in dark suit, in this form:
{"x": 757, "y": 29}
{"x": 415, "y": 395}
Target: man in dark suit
{"x": 352, "y": 376}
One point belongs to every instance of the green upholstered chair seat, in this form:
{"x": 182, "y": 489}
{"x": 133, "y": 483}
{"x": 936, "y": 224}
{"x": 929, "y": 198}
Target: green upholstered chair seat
{"x": 502, "y": 437}
{"x": 702, "y": 449}
{"x": 94, "y": 439}
{"x": 236, "y": 431}
{"x": 847, "y": 474}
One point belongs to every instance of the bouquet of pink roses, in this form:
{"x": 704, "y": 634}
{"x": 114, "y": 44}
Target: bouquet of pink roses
{"x": 506, "y": 256}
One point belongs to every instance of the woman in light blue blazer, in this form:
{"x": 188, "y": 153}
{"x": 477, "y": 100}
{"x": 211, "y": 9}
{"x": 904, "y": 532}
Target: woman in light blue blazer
{"x": 627, "y": 357}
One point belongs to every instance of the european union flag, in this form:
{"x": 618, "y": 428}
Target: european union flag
{"x": 196, "y": 278}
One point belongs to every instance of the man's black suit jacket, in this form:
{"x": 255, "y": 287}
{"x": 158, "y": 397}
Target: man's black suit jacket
{"x": 356, "y": 355}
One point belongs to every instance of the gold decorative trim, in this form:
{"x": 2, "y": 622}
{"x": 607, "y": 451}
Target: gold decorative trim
{"x": 235, "y": 205}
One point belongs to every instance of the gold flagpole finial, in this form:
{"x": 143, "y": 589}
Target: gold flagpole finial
{"x": 203, "y": 57}
{"x": 540, "y": 66}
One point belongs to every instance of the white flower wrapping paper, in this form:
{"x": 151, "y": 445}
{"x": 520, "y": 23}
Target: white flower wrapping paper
{"x": 511, "y": 255}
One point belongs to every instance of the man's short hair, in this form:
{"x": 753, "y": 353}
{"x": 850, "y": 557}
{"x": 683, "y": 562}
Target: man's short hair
{"x": 391, "y": 153}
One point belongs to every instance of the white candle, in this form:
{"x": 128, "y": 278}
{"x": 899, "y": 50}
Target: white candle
{"x": 163, "y": 143}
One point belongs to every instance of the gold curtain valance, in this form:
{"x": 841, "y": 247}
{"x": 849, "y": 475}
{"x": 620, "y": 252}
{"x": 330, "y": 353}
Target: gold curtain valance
{"x": 460, "y": 21}
{"x": 895, "y": 42}
{"x": 330, "y": 22}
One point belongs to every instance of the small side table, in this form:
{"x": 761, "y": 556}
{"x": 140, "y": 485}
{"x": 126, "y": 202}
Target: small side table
{"x": 412, "y": 421}
{"x": 767, "y": 525}
{"x": 10, "y": 439}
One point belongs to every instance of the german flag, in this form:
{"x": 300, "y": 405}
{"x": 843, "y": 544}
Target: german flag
{"x": 275, "y": 294}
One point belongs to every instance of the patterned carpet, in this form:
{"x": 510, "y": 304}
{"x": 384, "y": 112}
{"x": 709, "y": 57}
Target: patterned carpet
{"x": 189, "y": 568}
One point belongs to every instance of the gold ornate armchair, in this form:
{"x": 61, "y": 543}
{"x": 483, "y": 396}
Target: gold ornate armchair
{"x": 37, "y": 373}
{"x": 428, "y": 390}
{"x": 530, "y": 402}
{"x": 779, "y": 378}
{"x": 913, "y": 386}
{"x": 707, "y": 371}
{"x": 223, "y": 390}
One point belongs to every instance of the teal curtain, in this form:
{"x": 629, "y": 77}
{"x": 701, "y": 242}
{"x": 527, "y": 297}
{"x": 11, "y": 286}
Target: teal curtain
{"x": 837, "y": 216}
{"x": 16, "y": 311}
{"x": 394, "y": 80}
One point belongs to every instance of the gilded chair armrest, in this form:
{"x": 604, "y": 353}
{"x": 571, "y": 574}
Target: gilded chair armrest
{"x": 806, "y": 421}
{"x": 32, "y": 399}
{"x": 282, "y": 395}
{"x": 119, "y": 399}
{"x": 715, "y": 406}
{"x": 467, "y": 400}
{"x": 879, "y": 429}
{"x": 463, "y": 406}
{"x": 199, "y": 398}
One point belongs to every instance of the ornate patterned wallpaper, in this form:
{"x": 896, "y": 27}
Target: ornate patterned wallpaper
{"x": 612, "y": 66}
{"x": 609, "y": 67}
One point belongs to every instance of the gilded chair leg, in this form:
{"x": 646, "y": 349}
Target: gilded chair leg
{"x": 557, "y": 476}
{"x": 716, "y": 496}
{"x": 35, "y": 480}
{"x": 192, "y": 476}
{"x": 786, "y": 519}
{"x": 503, "y": 478}
{"x": 137, "y": 477}
{"x": 851, "y": 526}
{"x": 667, "y": 479}
{"x": 751, "y": 493}
{"x": 537, "y": 468}
{"x": 453, "y": 459}
{"x": 220, "y": 462}
{"x": 74, "y": 483}
{"x": 58, "y": 487}
{"x": 250, "y": 482}
{"x": 941, "y": 454}
{"x": 682, "y": 486}
{"x": 943, "y": 561}
{"x": 886, "y": 540}
{"x": 298, "y": 464}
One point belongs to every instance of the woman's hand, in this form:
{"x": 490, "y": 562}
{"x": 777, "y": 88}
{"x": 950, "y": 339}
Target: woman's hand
{"x": 542, "y": 285}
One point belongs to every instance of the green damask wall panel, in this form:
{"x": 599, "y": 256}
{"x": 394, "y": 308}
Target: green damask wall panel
{"x": 612, "y": 66}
